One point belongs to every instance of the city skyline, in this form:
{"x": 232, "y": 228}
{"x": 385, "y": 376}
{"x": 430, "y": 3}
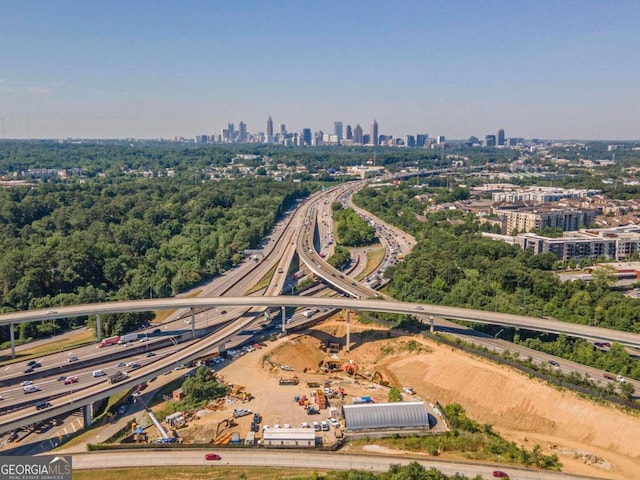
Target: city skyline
{"x": 555, "y": 70}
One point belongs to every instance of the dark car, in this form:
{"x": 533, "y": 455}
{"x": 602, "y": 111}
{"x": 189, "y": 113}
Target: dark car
{"x": 500, "y": 474}
{"x": 28, "y": 370}
{"x": 151, "y": 354}
{"x": 31, "y": 363}
{"x": 42, "y": 405}
{"x": 212, "y": 456}
{"x": 36, "y": 365}
{"x": 554, "y": 363}
{"x": 62, "y": 378}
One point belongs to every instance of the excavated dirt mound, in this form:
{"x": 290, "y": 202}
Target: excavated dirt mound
{"x": 590, "y": 439}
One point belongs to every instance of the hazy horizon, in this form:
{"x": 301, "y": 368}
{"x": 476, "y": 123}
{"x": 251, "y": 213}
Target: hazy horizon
{"x": 150, "y": 70}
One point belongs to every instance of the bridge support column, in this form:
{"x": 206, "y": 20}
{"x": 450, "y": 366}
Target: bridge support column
{"x": 193, "y": 322}
{"x": 348, "y": 330}
{"x": 431, "y": 326}
{"x": 284, "y": 319}
{"x": 98, "y": 328}
{"x": 88, "y": 415}
{"x": 13, "y": 341}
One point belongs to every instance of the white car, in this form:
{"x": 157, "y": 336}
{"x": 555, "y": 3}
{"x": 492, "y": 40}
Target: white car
{"x": 286, "y": 425}
{"x": 333, "y": 422}
{"x": 30, "y": 389}
{"x": 409, "y": 390}
{"x": 25, "y": 383}
{"x": 305, "y": 425}
{"x": 621, "y": 379}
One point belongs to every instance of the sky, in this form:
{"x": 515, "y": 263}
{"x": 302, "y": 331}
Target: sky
{"x": 549, "y": 69}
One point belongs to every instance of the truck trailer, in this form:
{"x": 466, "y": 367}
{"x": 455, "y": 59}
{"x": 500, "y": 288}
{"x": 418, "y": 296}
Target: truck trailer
{"x": 129, "y": 337}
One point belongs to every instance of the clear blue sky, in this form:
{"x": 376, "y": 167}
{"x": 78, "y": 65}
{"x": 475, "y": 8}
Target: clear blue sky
{"x": 150, "y": 69}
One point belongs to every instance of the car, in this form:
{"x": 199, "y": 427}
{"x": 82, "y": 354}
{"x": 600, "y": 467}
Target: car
{"x": 324, "y": 426}
{"x": 621, "y": 379}
{"x": 333, "y": 422}
{"x": 122, "y": 409}
{"x": 257, "y": 418}
{"x": 222, "y": 312}
{"x": 13, "y": 437}
{"x": 316, "y": 426}
{"x": 42, "y": 405}
{"x": 31, "y": 363}
{"x": 121, "y": 364}
{"x": 51, "y": 312}
{"x": 212, "y": 456}
{"x": 554, "y": 363}
{"x": 30, "y": 389}
{"x": 419, "y": 307}
{"x": 24, "y": 383}
{"x": 36, "y": 365}
{"x": 151, "y": 354}
{"x": 264, "y": 427}
{"x": 144, "y": 339}
{"x": 500, "y": 474}
{"x": 157, "y": 330}
{"x": 241, "y": 412}
{"x": 72, "y": 359}
{"x": 70, "y": 380}
{"x": 409, "y": 390}
{"x": 286, "y": 425}
{"x": 276, "y": 426}
{"x": 286, "y": 368}
{"x": 28, "y": 370}
{"x": 305, "y": 425}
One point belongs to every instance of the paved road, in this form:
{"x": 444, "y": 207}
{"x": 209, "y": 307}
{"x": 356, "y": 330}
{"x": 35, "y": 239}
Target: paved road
{"x": 295, "y": 459}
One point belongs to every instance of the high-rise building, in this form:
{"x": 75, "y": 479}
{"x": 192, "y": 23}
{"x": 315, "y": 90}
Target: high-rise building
{"x": 373, "y": 135}
{"x": 441, "y": 139}
{"x": 410, "y": 141}
{"x": 349, "y": 133}
{"x": 306, "y": 136}
{"x": 500, "y": 137}
{"x": 490, "y": 140}
{"x": 421, "y": 139}
{"x": 357, "y": 134}
{"x": 337, "y": 130}
{"x": 269, "y": 130}
{"x": 283, "y": 129}
{"x": 242, "y": 131}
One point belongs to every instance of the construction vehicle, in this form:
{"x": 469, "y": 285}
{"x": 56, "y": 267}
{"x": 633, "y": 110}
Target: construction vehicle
{"x": 377, "y": 378}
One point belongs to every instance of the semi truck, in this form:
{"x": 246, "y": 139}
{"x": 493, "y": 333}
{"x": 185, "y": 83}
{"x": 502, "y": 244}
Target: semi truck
{"x": 109, "y": 341}
{"x": 309, "y": 313}
{"x": 129, "y": 337}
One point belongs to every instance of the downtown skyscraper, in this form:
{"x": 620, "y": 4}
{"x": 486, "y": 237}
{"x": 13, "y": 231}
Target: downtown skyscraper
{"x": 373, "y": 134}
{"x": 269, "y": 130}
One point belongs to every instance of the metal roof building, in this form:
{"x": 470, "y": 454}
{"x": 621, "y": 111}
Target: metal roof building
{"x": 289, "y": 437}
{"x": 386, "y": 415}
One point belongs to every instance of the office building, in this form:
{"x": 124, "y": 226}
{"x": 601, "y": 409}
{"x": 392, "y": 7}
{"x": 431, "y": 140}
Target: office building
{"x": 337, "y": 130}
{"x": 421, "y": 139}
{"x": 357, "y": 135}
{"x": 500, "y": 137}
{"x": 490, "y": 140}
{"x": 242, "y": 131}
{"x": 410, "y": 141}
{"x": 373, "y": 135}
{"x": 306, "y": 136}
{"x": 269, "y": 130}
{"x": 349, "y": 133}
{"x": 441, "y": 139}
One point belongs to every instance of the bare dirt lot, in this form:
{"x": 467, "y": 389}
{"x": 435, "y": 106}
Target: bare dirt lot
{"x": 604, "y": 441}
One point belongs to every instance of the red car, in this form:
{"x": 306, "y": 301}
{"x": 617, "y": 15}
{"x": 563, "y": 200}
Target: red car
{"x": 212, "y": 456}
{"x": 499, "y": 474}
{"x": 70, "y": 380}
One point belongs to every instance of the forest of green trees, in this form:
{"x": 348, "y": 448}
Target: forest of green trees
{"x": 126, "y": 238}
